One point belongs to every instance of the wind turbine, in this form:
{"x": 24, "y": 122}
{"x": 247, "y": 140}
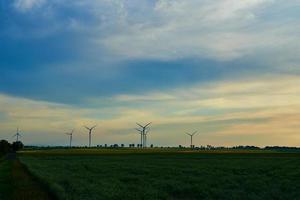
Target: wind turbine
{"x": 141, "y": 132}
{"x": 90, "y": 133}
{"x": 191, "y": 135}
{"x": 71, "y": 137}
{"x": 143, "y": 135}
{"x": 17, "y": 135}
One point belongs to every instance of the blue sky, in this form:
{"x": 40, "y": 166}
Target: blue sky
{"x": 216, "y": 66}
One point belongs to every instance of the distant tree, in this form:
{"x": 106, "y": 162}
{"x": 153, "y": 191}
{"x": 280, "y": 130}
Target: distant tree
{"x": 246, "y": 147}
{"x": 18, "y": 145}
{"x": 4, "y": 146}
{"x": 280, "y": 148}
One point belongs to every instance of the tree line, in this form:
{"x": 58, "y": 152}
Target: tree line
{"x": 6, "y": 147}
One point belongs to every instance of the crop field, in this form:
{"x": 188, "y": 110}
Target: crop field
{"x": 5, "y": 189}
{"x": 165, "y": 174}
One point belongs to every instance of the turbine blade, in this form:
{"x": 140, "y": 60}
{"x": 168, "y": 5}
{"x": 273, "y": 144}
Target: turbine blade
{"x": 139, "y": 125}
{"x": 148, "y": 124}
{"x": 194, "y": 133}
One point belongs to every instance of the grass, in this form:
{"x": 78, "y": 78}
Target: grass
{"x": 6, "y": 188}
{"x": 25, "y": 186}
{"x": 17, "y": 184}
{"x": 166, "y": 174}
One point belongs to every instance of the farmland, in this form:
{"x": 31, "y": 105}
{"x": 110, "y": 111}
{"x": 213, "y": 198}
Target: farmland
{"x": 5, "y": 188}
{"x": 165, "y": 174}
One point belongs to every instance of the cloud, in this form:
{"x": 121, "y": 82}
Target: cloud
{"x": 224, "y": 112}
{"x": 207, "y": 29}
{"x": 26, "y": 5}
{"x": 262, "y": 92}
{"x": 175, "y": 29}
{"x": 102, "y": 56}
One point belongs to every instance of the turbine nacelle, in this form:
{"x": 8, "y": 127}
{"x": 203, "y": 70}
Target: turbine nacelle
{"x": 70, "y": 133}
{"x": 191, "y": 134}
{"x": 90, "y": 129}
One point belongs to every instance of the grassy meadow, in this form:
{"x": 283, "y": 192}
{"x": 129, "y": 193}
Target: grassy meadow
{"x": 6, "y": 188}
{"x": 165, "y": 174}
{"x": 17, "y": 184}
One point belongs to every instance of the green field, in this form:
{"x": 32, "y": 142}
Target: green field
{"x": 5, "y": 177}
{"x": 17, "y": 184}
{"x": 165, "y": 174}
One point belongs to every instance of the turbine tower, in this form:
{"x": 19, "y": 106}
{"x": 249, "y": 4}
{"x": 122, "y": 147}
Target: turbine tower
{"x": 191, "y": 135}
{"x": 17, "y": 135}
{"x": 71, "y": 137}
{"x": 140, "y": 132}
{"x": 144, "y": 132}
{"x": 145, "y": 137}
{"x": 90, "y": 133}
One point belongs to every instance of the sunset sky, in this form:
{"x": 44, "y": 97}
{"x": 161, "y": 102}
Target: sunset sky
{"x": 227, "y": 68}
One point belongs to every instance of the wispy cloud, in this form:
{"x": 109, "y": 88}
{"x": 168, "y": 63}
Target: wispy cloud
{"x": 223, "y": 30}
{"x": 255, "y": 108}
{"x": 26, "y": 5}
{"x": 217, "y": 66}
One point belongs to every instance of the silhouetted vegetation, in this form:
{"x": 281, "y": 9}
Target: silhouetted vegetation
{"x": 285, "y": 149}
{"x": 16, "y": 146}
{"x": 6, "y": 147}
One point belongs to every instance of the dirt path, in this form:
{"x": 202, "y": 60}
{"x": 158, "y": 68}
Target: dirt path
{"x": 25, "y": 186}
{"x": 11, "y": 156}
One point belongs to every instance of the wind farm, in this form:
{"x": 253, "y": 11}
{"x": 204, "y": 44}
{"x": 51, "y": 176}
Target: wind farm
{"x": 149, "y": 100}
{"x": 126, "y": 167}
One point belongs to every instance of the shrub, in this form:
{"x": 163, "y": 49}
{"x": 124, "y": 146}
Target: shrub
{"x": 4, "y": 146}
{"x": 16, "y": 146}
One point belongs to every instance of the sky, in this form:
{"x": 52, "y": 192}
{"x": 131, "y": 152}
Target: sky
{"x": 229, "y": 69}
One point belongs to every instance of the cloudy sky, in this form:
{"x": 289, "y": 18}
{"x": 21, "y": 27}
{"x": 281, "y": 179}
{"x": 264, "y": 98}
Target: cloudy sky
{"x": 227, "y": 68}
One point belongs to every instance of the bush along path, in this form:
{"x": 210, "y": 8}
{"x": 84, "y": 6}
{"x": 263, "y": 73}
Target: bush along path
{"x": 18, "y": 183}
